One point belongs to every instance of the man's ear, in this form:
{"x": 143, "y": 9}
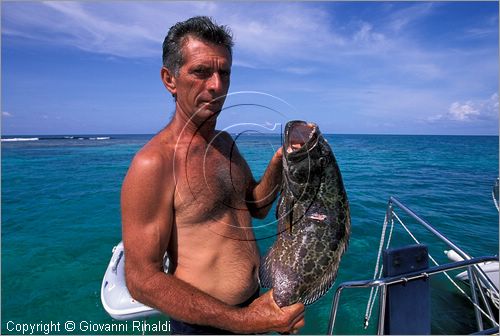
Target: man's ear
{"x": 168, "y": 79}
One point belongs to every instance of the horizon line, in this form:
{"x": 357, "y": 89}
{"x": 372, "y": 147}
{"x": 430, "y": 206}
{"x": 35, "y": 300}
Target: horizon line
{"x": 266, "y": 133}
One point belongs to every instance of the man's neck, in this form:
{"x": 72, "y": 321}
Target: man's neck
{"x": 189, "y": 128}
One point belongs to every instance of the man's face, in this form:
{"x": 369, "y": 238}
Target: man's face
{"x": 203, "y": 79}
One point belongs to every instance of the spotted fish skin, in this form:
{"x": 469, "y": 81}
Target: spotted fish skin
{"x": 313, "y": 220}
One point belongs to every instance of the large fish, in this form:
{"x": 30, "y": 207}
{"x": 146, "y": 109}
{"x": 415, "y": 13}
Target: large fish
{"x": 313, "y": 220}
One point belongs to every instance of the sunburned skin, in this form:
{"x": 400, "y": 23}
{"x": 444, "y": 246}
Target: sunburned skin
{"x": 189, "y": 192}
{"x": 213, "y": 234}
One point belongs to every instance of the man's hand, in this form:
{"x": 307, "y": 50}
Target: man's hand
{"x": 264, "y": 315}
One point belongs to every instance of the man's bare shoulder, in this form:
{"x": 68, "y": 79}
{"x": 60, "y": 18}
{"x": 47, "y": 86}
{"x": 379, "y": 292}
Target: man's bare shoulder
{"x": 156, "y": 155}
{"x": 226, "y": 137}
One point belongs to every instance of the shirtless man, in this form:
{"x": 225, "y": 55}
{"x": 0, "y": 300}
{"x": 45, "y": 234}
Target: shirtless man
{"x": 190, "y": 193}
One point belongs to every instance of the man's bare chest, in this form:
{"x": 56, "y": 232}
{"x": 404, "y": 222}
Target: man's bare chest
{"x": 211, "y": 177}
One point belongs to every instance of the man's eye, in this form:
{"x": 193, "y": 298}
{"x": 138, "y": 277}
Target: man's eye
{"x": 225, "y": 74}
{"x": 202, "y": 72}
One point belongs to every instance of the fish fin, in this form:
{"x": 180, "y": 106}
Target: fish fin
{"x": 322, "y": 286}
{"x": 266, "y": 271}
{"x": 320, "y": 289}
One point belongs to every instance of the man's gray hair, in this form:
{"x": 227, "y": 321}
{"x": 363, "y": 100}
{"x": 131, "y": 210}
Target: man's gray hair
{"x": 200, "y": 27}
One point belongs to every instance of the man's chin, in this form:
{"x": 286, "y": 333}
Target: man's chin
{"x": 204, "y": 115}
{"x": 209, "y": 111}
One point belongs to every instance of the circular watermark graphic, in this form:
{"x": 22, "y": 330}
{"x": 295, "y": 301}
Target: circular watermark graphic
{"x": 212, "y": 173}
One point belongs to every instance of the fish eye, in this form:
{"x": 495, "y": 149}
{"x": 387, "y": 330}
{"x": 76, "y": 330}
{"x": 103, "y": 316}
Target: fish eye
{"x": 297, "y": 173}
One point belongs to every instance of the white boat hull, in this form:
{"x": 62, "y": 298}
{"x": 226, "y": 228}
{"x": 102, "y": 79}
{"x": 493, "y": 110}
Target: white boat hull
{"x": 115, "y": 296}
{"x": 491, "y": 269}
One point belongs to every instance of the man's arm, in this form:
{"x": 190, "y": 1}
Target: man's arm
{"x": 261, "y": 195}
{"x": 147, "y": 217}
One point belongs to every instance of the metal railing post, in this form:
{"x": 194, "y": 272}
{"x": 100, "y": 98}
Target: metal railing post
{"x": 487, "y": 281}
{"x": 479, "y": 319}
{"x": 382, "y": 305}
{"x": 394, "y": 280}
{"x": 476, "y": 275}
{"x": 333, "y": 312}
{"x": 483, "y": 296}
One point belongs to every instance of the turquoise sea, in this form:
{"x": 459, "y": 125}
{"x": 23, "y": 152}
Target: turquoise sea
{"x": 61, "y": 218}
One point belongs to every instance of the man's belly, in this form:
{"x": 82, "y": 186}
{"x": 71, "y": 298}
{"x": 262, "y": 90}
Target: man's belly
{"x": 225, "y": 268}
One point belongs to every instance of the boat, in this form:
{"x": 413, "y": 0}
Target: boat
{"x": 400, "y": 282}
{"x": 491, "y": 269}
{"x": 115, "y": 297}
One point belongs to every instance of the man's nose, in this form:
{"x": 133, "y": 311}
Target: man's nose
{"x": 215, "y": 82}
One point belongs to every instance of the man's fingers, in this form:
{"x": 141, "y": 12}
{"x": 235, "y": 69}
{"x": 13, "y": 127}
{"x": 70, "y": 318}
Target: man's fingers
{"x": 279, "y": 152}
{"x": 299, "y": 324}
{"x": 296, "y": 313}
{"x": 296, "y": 308}
{"x": 298, "y": 318}
{"x": 291, "y": 317}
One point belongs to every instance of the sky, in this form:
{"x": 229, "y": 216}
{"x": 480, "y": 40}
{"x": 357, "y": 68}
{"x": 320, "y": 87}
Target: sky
{"x": 351, "y": 67}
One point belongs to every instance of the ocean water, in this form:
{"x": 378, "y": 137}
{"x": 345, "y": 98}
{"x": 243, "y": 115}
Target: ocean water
{"x": 61, "y": 218}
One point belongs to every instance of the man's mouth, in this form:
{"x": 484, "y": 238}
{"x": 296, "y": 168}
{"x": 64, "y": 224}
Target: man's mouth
{"x": 213, "y": 106}
{"x": 211, "y": 103}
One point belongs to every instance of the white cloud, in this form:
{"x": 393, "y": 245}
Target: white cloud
{"x": 463, "y": 112}
{"x": 125, "y": 30}
{"x": 400, "y": 19}
{"x": 6, "y": 114}
{"x": 265, "y": 34}
{"x": 377, "y": 66}
{"x": 272, "y": 33}
{"x": 367, "y": 35}
{"x": 483, "y": 109}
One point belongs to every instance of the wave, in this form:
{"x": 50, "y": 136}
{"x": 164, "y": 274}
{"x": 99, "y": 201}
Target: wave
{"x": 20, "y": 139}
{"x": 69, "y": 137}
{"x": 100, "y": 138}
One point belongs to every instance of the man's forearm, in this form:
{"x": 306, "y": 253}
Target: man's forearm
{"x": 182, "y": 301}
{"x": 265, "y": 192}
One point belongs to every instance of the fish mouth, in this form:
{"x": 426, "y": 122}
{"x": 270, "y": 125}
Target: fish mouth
{"x": 300, "y": 137}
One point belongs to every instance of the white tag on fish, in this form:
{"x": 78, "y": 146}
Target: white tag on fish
{"x": 317, "y": 216}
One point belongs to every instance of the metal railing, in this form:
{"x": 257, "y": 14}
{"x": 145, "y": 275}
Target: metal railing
{"x": 477, "y": 277}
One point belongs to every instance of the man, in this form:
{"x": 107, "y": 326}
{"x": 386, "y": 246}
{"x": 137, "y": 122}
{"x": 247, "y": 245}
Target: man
{"x": 190, "y": 193}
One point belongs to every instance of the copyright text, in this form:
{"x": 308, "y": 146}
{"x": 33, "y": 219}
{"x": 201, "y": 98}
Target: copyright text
{"x": 78, "y": 327}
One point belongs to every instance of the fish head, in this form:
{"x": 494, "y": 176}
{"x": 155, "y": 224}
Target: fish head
{"x": 303, "y": 158}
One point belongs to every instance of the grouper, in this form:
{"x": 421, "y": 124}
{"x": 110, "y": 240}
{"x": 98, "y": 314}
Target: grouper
{"x": 314, "y": 222}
